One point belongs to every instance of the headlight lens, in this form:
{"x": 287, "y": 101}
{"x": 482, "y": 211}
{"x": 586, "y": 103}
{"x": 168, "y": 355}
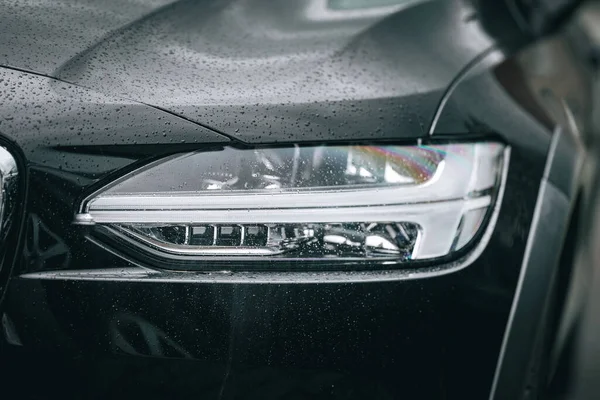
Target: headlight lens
{"x": 336, "y": 202}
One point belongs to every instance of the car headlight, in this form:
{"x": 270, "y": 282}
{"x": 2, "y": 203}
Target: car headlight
{"x": 385, "y": 202}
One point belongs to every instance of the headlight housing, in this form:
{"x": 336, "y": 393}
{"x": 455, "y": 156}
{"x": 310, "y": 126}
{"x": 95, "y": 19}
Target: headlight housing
{"x": 396, "y": 203}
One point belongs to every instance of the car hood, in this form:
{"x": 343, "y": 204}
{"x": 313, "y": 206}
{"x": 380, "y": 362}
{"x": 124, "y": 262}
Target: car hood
{"x": 256, "y": 70}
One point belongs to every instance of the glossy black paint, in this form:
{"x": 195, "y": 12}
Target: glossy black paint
{"x": 129, "y": 94}
{"x": 271, "y": 72}
{"x": 445, "y": 329}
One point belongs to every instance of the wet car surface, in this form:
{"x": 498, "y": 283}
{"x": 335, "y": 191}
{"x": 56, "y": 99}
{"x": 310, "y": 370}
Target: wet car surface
{"x": 90, "y": 92}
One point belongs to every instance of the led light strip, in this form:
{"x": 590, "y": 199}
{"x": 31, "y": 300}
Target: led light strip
{"x": 433, "y": 242}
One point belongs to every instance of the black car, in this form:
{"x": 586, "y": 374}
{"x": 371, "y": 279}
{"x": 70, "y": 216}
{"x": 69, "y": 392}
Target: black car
{"x": 260, "y": 199}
